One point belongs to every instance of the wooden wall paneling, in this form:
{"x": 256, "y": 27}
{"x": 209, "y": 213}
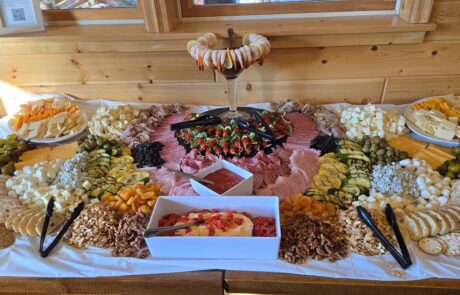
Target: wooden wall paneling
{"x": 356, "y": 62}
{"x": 446, "y": 15}
{"x": 416, "y": 11}
{"x": 200, "y": 282}
{"x": 315, "y": 91}
{"x": 69, "y": 47}
{"x": 408, "y": 89}
{"x": 100, "y": 68}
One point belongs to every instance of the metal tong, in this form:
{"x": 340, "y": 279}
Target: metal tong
{"x": 152, "y": 232}
{"x": 49, "y": 213}
{"x": 402, "y": 258}
{"x": 190, "y": 176}
{"x": 202, "y": 120}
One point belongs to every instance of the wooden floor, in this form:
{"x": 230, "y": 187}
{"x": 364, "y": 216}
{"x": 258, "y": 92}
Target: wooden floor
{"x": 220, "y": 282}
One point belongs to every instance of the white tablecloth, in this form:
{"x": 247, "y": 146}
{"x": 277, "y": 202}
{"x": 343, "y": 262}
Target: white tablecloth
{"x": 23, "y": 259}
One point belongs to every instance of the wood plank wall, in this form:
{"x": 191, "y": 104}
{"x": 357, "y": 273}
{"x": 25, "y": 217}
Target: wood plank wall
{"x": 138, "y": 71}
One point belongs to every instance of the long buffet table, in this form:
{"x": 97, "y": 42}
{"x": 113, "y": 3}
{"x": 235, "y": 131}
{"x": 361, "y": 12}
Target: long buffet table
{"x": 173, "y": 281}
{"x": 217, "y": 281}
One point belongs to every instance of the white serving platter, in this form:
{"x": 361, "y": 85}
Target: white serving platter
{"x": 76, "y": 132}
{"x": 455, "y": 100}
{"x": 248, "y": 248}
{"x": 244, "y": 188}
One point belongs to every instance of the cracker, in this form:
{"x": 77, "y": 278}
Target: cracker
{"x": 413, "y": 227}
{"x": 6, "y": 237}
{"x": 445, "y": 224}
{"x": 33, "y": 220}
{"x": 431, "y": 246}
{"x": 453, "y": 244}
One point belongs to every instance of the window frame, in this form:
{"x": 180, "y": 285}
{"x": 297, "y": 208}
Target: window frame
{"x": 191, "y": 10}
{"x": 95, "y": 14}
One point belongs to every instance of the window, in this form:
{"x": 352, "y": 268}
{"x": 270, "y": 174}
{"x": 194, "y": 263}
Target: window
{"x": 81, "y": 4}
{"x": 204, "y": 8}
{"x": 77, "y": 10}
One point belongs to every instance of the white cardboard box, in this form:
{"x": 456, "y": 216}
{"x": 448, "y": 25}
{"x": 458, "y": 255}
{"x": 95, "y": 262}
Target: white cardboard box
{"x": 215, "y": 247}
{"x": 244, "y": 188}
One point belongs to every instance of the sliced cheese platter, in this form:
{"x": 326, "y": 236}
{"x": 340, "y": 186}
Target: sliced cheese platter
{"x": 435, "y": 119}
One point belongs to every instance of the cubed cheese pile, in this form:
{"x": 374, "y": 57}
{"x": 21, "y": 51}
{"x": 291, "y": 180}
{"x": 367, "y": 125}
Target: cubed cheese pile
{"x": 435, "y": 189}
{"x": 379, "y": 200}
{"x": 110, "y": 123}
{"x": 436, "y": 123}
{"x": 33, "y": 186}
{"x": 372, "y": 121}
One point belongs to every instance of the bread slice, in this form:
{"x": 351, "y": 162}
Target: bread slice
{"x": 14, "y": 219}
{"x": 431, "y": 246}
{"x": 39, "y": 225}
{"x": 32, "y": 222}
{"x": 453, "y": 244}
{"x": 413, "y": 226}
{"x": 452, "y": 220}
{"x": 456, "y": 215}
{"x": 445, "y": 224}
{"x": 424, "y": 225}
{"x": 433, "y": 223}
{"x": 22, "y": 226}
{"x": 19, "y": 221}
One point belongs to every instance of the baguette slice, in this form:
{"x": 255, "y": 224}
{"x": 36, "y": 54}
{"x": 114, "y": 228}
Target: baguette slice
{"x": 433, "y": 223}
{"x": 445, "y": 224}
{"x": 32, "y": 223}
{"x": 437, "y": 224}
{"x": 431, "y": 246}
{"x": 444, "y": 244}
{"x": 452, "y": 220}
{"x": 14, "y": 218}
{"x": 413, "y": 227}
{"x": 19, "y": 221}
{"x": 424, "y": 225}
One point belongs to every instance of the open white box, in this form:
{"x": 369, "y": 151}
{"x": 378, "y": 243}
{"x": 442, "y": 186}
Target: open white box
{"x": 244, "y": 188}
{"x": 188, "y": 247}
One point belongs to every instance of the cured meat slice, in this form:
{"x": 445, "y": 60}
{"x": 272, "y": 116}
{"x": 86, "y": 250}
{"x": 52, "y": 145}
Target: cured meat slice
{"x": 304, "y": 130}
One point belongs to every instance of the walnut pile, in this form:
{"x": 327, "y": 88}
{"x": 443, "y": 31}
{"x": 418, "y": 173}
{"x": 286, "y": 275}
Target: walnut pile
{"x": 129, "y": 236}
{"x": 361, "y": 238}
{"x": 303, "y": 237}
{"x": 94, "y": 227}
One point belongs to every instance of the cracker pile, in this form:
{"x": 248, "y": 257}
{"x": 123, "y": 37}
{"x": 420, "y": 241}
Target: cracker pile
{"x": 448, "y": 244}
{"x": 8, "y": 204}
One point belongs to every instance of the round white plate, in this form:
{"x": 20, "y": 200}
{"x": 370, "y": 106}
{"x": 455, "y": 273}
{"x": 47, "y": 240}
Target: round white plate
{"x": 76, "y": 132}
{"x": 424, "y": 135}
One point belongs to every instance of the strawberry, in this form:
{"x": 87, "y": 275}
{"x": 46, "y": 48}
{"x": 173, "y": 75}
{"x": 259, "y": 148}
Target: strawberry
{"x": 233, "y": 150}
{"x": 245, "y": 140}
{"x": 226, "y": 133}
{"x": 187, "y": 136}
{"x": 236, "y": 130}
{"x": 200, "y": 140}
{"x": 236, "y": 143}
{"x": 225, "y": 150}
{"x": 218, "y": 150}
{"x": 208, "y": 151}
{"x": 225, "y": 144}
{"x": 248, "y": 149}
{"x": 219, "y": 132}
{"x": 212, "y": 143}
{"x": 211, "y": 129}
{"x": 203, "y": 146}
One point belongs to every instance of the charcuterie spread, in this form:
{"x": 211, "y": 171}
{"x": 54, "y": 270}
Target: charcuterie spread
{"x": 322, "y": 164}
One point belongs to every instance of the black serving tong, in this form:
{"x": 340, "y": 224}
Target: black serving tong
{"x": 402, "y": 258}
{"x": 268, "y": 134}
{"x": 49, "y": 213}
{"x": 202, "y": 120}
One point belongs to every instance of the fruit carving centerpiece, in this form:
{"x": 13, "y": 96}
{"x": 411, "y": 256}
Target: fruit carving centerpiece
{"x": 230, "y": 62}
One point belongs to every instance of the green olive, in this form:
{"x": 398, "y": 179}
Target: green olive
{"x": 452, "y": 175}
{"x": 376, "y": 139}
{"x": 380, "y": 152}
{"x": 374, "y": 148}
{"x": 455, "y": 168}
